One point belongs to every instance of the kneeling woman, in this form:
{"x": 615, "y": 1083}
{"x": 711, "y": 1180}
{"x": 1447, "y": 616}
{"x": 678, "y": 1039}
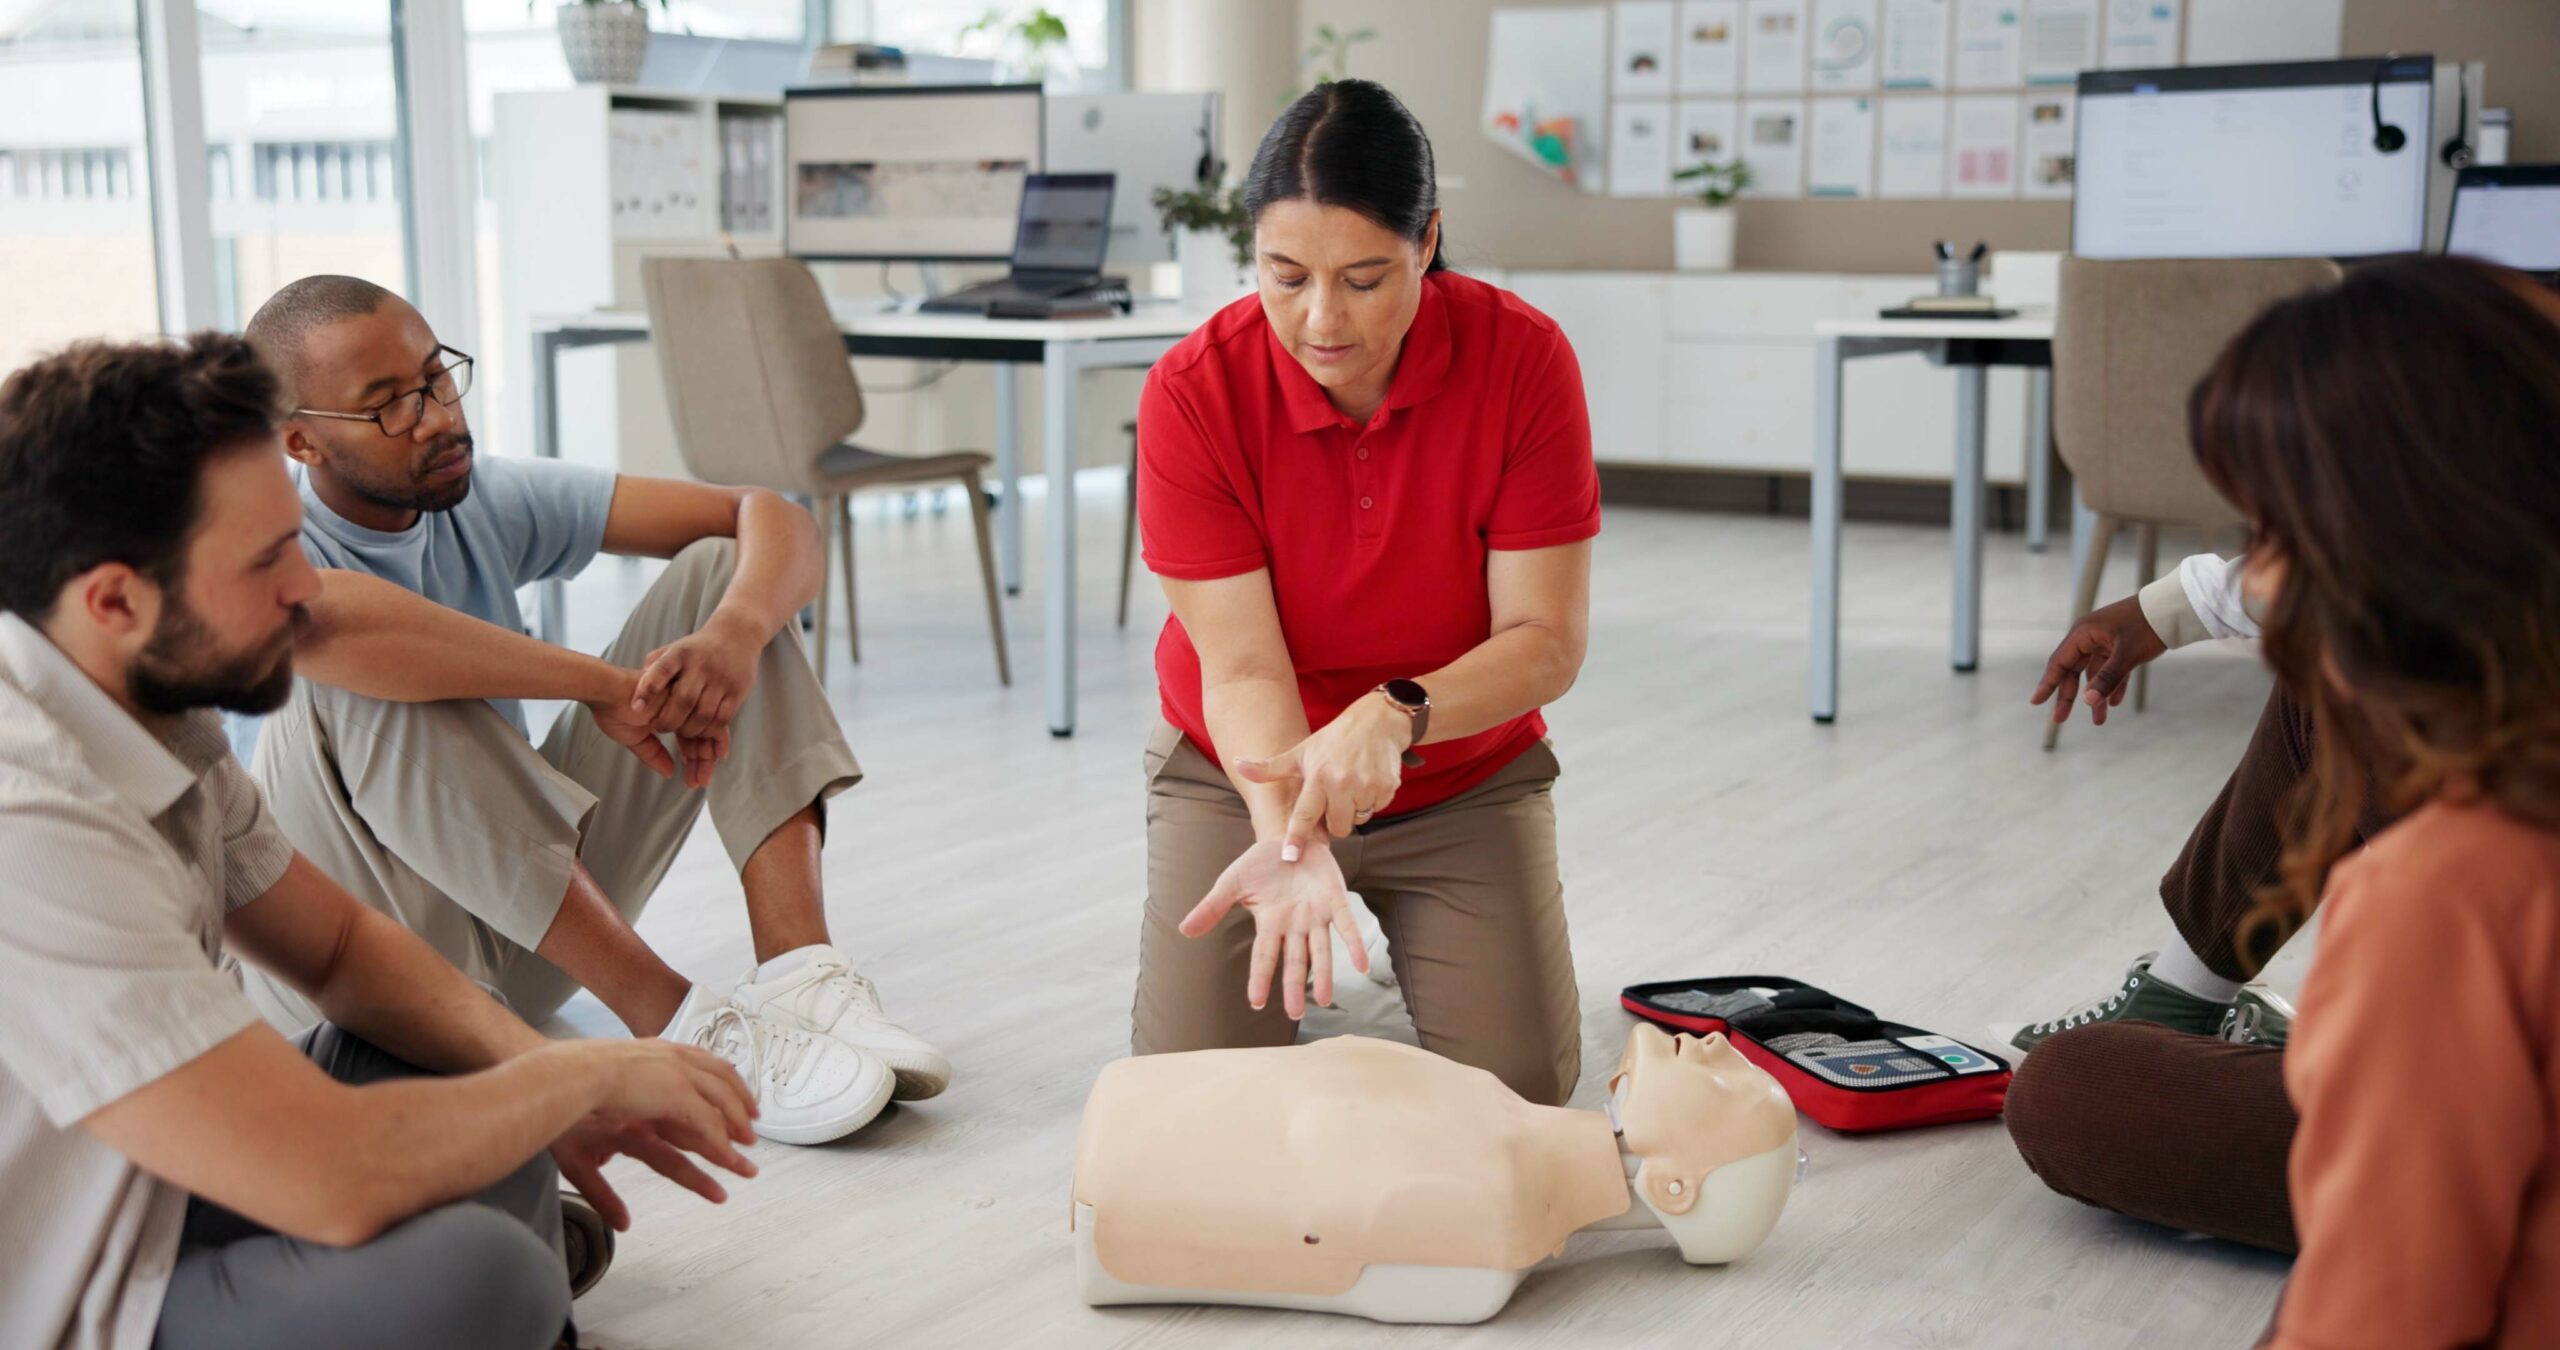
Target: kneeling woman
{"x": 1370, "y": 495}
{"x": 2393, "y": 444}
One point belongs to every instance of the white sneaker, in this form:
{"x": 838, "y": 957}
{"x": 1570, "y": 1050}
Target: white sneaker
{"x": 826, "y": 996}
{"x": 809, "y": 1089}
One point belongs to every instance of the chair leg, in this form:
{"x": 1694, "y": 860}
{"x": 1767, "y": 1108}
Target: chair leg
{"x": 2102, "y": 536}
{"x": 844, "y": 551}
{"x": 2146, "y": 565}
{"x": 987, "y": 574}
{"x": 827, "y": 512}
{"x": 1129, "y": 534}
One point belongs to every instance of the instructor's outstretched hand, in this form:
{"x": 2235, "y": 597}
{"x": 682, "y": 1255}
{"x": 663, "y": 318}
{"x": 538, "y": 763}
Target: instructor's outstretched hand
{"x": 1294, "y": 905}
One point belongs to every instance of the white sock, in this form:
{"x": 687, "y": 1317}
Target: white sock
{"x": 693, "y": 999}
{"x": 2180, "y": 968}
{"x": 790, "y": 961}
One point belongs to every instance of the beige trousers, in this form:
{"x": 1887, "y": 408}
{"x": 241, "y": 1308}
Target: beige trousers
{"x": 441, "y": 816}
{"x": 1467, "y": 892}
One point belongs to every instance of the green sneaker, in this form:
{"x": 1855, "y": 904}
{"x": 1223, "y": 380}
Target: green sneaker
{"x": 2143, "y": 997}
{"x": 2260, "y": 1016}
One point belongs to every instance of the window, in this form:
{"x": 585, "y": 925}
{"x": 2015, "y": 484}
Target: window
{"x": 75, "y": 198}
{"x": 301, "y": 116}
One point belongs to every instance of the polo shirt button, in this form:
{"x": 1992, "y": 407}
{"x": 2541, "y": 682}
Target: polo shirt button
{"x": 1364, "y": 503}
{"x": 1364, "y": 452}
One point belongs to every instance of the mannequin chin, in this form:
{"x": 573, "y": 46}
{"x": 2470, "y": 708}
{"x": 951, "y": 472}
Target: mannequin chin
{"x": 1374, "y": 1179}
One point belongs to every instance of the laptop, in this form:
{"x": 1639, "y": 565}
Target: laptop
{"x": 2508, "y": 214}
{"x": 1058, "y": 244}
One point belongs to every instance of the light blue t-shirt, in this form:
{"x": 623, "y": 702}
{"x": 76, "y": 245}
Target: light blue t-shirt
{"x": 526, "y": 520}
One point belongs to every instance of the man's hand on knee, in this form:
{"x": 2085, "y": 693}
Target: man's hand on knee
{"x": 696, "y": 684}
{"x": 633, "y": 726}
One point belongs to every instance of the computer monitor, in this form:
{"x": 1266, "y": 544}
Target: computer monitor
{"x": 916, "y": 173}
{"x": 2258, "y": 161}
{"x": 2508, "y": 214}
{"x": 1145, "y": 141}
{"x": 1066, "y": 225}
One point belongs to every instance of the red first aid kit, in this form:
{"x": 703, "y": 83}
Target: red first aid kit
{"x": 1842, "y": 1065}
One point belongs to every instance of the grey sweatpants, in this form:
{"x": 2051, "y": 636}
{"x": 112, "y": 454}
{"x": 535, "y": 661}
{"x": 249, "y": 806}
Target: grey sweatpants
{"x": 441, "y": 816}
{"x": 483, "y": 1272}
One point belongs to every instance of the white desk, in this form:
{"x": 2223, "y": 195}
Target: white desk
{"x": 1971, "y": 347}
{"x": 1064, "y": 349}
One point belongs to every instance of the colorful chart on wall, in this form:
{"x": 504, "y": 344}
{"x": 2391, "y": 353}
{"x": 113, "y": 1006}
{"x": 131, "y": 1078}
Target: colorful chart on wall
{"x": 1546, "y": 90}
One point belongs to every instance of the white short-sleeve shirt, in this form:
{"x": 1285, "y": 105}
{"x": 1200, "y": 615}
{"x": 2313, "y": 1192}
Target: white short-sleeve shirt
{"x": 121, "y": 850}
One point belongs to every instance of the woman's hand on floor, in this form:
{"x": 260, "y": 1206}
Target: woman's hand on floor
{"x": 1342, "y": 775}
{"x": 1295, "y": 906}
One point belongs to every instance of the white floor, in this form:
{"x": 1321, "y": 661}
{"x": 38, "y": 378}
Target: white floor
{"x": 1922, "y": 856}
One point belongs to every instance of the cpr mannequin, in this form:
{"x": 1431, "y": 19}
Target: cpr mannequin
{"x": 1366, "y": 1177}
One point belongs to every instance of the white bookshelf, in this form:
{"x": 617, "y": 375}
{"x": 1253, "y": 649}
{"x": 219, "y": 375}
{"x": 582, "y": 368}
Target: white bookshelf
{"x": 586, "y": 182}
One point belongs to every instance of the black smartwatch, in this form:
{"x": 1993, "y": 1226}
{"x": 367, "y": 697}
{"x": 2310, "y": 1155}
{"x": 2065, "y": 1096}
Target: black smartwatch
{"x": 1409, "y": 698}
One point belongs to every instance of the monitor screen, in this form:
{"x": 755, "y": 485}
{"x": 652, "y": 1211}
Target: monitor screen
{"x": 2267, "y": 161}
{"x": 928, "y": 173}
{"x": 1066, "y": 223}
{"x": 2508, "y": 214}
{"x": 1147, "y": 141}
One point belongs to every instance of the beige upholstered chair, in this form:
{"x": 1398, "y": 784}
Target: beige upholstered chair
{"x": 762, "y": 395}
{"x": 2130, "y": 340}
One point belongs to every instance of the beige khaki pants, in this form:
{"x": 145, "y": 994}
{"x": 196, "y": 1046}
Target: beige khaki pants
{"x": 441, "y": 816}
{"x": 1467, "y": 892}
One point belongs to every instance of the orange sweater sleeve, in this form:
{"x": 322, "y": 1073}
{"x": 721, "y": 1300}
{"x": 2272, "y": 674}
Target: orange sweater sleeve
{"x": 2416, "y": 1075}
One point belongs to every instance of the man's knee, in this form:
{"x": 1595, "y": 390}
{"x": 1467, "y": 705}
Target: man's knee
{"x": 478, "y": 1277}
{"x": 713, "y": 560}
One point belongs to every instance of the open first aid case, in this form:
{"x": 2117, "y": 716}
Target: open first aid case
{"x": 1844, "y": 1066}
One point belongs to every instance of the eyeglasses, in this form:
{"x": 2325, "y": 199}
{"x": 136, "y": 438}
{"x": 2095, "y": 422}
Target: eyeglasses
{"x": 399, "y": 414}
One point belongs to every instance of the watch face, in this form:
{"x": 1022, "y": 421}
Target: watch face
{"x": 1407, "y": 693}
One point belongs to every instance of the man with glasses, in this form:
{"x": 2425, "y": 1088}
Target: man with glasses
{"x": 403, "y": 764}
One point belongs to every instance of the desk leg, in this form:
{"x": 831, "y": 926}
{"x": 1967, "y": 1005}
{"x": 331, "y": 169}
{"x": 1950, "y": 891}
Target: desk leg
{"x": 553, "y": 626}
{"x": 2039, "y": 456}
{"x": 1965, "y": 517}
{"x": 1058, "y": 465}
{"x": 1009, "y": 475}
{"x": 1826, "y": 529}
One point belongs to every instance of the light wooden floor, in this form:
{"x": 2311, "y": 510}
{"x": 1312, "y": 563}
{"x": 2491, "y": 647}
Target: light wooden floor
{"x": 1921, "y": 856}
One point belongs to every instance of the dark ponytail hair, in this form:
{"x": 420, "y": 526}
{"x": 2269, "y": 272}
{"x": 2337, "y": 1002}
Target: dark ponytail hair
{"x": 1350, "y": 143}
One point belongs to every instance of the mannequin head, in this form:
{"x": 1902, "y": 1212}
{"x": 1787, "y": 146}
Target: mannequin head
{"x": 1713, "y": 1137}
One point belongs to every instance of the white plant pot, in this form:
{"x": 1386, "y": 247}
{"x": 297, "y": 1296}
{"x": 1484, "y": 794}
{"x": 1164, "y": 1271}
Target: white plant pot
{"x": 1209, "y": 271}
{"x": 1702, "y": 239}
{"x": 606, "y": 43}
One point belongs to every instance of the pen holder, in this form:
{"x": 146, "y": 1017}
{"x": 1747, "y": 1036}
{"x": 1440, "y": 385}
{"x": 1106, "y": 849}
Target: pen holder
{"x": 1959, "y": 276}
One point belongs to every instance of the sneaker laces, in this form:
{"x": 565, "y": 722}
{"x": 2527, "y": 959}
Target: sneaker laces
{"x": 2096, "y": 1009}
{"x": 752, "y": 1042}
{"x": 2245, "y": 1024}
{"x": 851, "y": 985}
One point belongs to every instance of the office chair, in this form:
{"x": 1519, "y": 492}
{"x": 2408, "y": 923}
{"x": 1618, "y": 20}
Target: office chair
{"x": 762, "y": 395}
{"x": 2130, "y": 339}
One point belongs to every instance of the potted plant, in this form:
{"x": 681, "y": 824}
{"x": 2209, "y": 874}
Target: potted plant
{"x": 1212, "y": 239}
{"x": 604, "y": 40}
{"x": 1330, "y": 56}
{"x": 1702, "y": 236}
{"x": 1033, "y": 46}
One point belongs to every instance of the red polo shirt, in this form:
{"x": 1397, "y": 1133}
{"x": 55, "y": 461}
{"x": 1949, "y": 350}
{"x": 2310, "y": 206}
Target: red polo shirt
{"x": 1375, "y": 537}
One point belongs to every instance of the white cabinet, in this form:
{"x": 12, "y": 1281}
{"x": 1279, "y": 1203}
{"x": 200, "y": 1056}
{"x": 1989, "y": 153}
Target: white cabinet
{"x": 587, "y": 181}
{"x": 1615, "y": 322}
{"x": 1716, "y": 371}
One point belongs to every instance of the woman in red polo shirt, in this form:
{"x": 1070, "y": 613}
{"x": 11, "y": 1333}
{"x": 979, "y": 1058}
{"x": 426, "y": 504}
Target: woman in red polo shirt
{"x": 1369, "y": 493}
